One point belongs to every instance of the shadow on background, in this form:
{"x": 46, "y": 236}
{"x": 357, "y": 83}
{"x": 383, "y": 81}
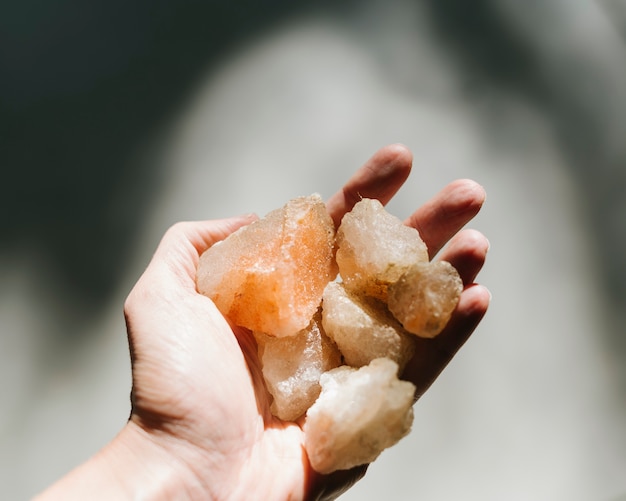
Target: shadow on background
{"x": 579, "y": 89}
{"x": 86, "y": 89}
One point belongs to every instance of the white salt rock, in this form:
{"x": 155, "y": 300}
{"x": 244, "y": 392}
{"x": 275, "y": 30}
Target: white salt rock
{"x": 292, "y": 367}
{"x": 359, "y": 413}
{"x": 363, "y": 328}
{"x": 424, "y": 297}
{"x": 375, "y": 248}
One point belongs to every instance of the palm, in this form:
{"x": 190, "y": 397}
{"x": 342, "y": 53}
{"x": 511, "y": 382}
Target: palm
{"x": 197, "y": 384}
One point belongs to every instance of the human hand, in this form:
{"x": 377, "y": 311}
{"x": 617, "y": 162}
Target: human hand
{"x": 200, "y": 413}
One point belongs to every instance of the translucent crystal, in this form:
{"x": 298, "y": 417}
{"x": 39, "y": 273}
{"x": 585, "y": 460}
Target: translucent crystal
{"x": 292, "y": 367}
{"x": 424, "y": 297}
{"x": 269, "y": 276}
{"x": 359, "y": 413}
{"x": 363, "y": 328}
{"x": 273, "y": 275}
{"x": 375, "y": 248}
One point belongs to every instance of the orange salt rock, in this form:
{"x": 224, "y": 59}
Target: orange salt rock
{"x": 374, "y": 248}
{"x": 269, "y": 276}
{"x": 424, "y": 297}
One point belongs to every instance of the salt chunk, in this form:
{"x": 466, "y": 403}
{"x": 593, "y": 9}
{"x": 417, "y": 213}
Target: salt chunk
{"x": 375, "y": 248}
{"x": 269, "y": 276}
{"x": 424, "y": 297}
{"x": 363, "y": 328}
{"x": 292, "y": 367}
{"x": 359, "y": 413}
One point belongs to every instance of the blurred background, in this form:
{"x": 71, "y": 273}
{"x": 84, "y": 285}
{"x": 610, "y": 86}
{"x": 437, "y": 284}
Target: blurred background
{"x": 118, "y": 119}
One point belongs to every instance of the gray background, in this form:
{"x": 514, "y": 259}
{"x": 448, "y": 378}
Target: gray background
{"x": 119, "y": 118}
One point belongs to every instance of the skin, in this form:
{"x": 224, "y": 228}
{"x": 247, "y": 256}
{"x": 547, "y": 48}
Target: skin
{"x": 200, "y": 426}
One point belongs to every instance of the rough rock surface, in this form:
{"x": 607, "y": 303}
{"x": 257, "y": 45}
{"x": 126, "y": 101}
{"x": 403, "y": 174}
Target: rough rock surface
{"x": 359, "y": 413}
{"x": 269, "y": 276}
{"x": 374, "y": 248}
{"x": 363, "y": 328}
{"x": 424, "y": 297}
{"x": 292, "y": 367}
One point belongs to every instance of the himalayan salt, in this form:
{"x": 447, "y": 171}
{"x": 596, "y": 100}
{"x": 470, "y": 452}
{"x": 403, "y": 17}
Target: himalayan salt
{"x": 375, "y": 248}
{"x": 269, "y": 276}
{"x": 359, "y": 413}
{"x": 424, "y": 297}
{"x": 363, "y": 328}
{"x": 292, "y": 367}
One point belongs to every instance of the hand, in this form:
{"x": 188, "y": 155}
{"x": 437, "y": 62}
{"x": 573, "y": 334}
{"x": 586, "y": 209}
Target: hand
{"x": 200, "y": 426}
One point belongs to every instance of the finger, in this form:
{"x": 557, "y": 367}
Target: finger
{"x": 447, "y": 212}
{"x": 432, "y": 355}
{"x": 326, "y": 487}
{"x": 467, "y": 252}
{"x": 380, "y": 177}
{"x": 200, "y": 235}
{"x": 179, "y": 251}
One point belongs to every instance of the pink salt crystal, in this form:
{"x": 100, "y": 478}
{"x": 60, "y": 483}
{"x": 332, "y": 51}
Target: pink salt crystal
{"x": 269, "y": 276}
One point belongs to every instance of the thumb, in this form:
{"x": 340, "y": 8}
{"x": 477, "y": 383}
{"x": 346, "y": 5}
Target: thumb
{"x": 180, "y": 248}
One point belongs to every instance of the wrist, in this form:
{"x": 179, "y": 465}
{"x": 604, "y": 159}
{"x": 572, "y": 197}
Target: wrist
{"x": 132, "y": 466}
{"x": 146, "y": 470}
